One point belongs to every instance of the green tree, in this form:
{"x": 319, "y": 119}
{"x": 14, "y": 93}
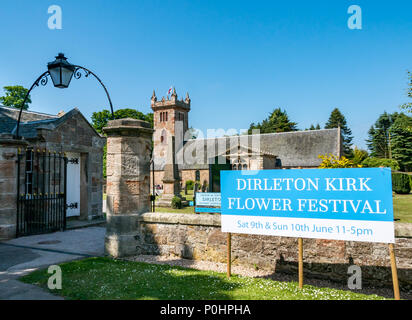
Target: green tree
{"x": 100, "y": 119}
{"x": 191, "y": 133}
{"x": 337, "y": 119}
{"x": 358, "y": 155}
{"x": 408, "y": 106}
{"x": 401, "y": 141}
{"x": 312, "y": 127}
{"x": 379, "y": 139}
{"x": 14, "y": 97}
{"x": 373, "y": 162}
{"x": 278, "y": 121}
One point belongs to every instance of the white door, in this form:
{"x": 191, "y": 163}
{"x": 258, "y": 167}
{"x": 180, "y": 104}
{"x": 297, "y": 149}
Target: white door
{"x": 73, "y": 184}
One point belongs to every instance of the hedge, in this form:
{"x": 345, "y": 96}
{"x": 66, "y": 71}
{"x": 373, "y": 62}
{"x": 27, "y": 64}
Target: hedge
{"x": 380, "y": 162}
{"x": 401, "y": 183}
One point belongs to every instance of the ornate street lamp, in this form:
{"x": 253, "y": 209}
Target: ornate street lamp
{"x": 61, "y": 72}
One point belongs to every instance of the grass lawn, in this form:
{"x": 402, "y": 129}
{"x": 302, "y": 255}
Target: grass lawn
{"x": 105, "y": 278}
{"x": 402, "y": 207}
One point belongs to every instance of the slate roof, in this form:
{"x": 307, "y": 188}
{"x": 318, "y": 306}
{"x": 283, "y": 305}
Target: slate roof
{"x": 293, "y": 149}
{"x": 31, "y": 121}
{"x": 9, "y": 116}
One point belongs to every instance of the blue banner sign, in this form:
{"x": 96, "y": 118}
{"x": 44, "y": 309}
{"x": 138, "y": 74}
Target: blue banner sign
{"x": 207, "y": 202}
{"x": 339, "y": 204}
{"x": 208, "y": 199}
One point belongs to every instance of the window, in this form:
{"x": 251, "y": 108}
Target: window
{"x": 163, "y": 137}
{"x": 180, "y": 116}
{"x": 163, "y": 116}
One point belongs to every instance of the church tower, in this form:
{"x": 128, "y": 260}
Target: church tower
{"x": 170, "y": 118}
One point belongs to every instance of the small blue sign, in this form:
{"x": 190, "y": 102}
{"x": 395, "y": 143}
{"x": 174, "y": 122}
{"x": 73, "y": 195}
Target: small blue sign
{"x": 208, "y": 202}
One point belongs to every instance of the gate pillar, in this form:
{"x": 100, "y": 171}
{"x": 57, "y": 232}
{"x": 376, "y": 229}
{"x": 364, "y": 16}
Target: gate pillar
{"x": 9, "y": 148}
{"x": 129, "y": 144}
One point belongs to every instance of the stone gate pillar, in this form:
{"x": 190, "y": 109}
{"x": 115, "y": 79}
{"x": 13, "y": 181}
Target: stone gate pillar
{"x": 8, "y": 184}
{"x": 129, "y": 143}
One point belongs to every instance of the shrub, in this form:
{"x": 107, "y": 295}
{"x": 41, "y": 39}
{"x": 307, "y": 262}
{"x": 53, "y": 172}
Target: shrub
{"x": 358, "y": 155}
{"x": 380, "y": 162}
{"x": 189, "y": 184}
{"x": 401, "y": 183}
{"x": 176, "y": 203}
{"x": 332, "y": 161}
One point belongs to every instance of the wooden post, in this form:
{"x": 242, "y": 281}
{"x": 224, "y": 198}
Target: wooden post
{"x": 300, "y": 261}
{"x": 394, "y": 272}
{"x": 229, "y": 255}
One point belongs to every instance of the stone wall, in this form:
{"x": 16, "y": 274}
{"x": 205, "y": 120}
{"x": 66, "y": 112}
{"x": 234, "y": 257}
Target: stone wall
{"x": 188, "y": 174}
{"x": 191, "y": 175}
{"x": 8, "y": 185}
{"x": 199, "y": 237}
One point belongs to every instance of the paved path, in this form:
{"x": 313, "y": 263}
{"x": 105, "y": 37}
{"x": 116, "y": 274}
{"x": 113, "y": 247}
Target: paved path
{"x": 23, "y": 255}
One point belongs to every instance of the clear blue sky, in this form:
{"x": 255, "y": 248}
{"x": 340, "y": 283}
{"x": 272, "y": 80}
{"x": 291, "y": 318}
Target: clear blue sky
{"x": 238, "y": 59}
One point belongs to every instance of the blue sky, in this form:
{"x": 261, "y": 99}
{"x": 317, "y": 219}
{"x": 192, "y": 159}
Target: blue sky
{"x": 237, "y": 59}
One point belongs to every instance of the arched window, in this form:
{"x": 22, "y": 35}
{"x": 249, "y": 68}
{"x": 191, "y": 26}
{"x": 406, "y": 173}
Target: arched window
{"x": 163, "y": 137}
{"x": 244, "y": 166}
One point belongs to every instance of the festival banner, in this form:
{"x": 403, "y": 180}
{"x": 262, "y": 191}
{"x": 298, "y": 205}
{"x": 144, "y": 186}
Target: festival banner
{"x": 339, "y": 204}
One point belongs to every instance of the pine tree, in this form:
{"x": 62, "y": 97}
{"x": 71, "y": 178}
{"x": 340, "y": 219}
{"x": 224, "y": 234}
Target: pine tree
{"x": 337, "y": 119}
{"x": 408, "y": 106}
{"x": 401, "y": 141}
{"x": 278, "y": 121}
{"x": 312, "y": 127}
{"x": 379, "y": 141}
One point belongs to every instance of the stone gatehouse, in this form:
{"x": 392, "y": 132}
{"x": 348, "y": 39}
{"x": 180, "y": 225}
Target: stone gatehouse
{"x": 45, "y": 140}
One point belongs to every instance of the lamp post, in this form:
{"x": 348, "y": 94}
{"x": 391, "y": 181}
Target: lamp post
{"x": 61, "y": 72}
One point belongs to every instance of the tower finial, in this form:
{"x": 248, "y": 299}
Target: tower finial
{"x": 173, "y": 97}
{"x": 187, "y": 100}
{"x": 154, "y": 98}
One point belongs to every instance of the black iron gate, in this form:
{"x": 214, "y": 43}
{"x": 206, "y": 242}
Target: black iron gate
{"x": 41, "y": 192}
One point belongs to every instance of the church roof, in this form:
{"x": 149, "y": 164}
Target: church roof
{"x": 293, "y": 149}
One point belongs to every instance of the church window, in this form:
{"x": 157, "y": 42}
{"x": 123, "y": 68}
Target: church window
{"x": 163, "y": 137}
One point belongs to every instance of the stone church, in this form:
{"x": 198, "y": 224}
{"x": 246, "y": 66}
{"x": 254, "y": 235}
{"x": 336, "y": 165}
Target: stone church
{"x": 202, "y": 159}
